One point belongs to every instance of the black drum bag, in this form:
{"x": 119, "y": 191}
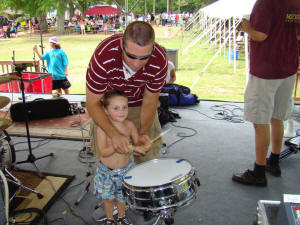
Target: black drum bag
{"x": 40, "y": 109}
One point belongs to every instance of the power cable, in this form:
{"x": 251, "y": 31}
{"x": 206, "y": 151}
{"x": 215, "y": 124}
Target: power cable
{"x": 223, "y": 113}
{"x": 71, "y": 209}
{"x": 40, "y": 143}
{"x": 181, "y": 136}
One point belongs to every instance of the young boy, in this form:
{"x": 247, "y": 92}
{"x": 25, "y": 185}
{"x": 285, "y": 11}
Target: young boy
{"x": 112, "y": 164}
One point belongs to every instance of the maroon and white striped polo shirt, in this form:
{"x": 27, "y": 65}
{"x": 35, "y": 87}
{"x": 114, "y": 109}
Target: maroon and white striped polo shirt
{"x": 105, "y": 71}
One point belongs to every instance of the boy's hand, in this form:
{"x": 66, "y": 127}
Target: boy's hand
{"x": 137, "y": 150}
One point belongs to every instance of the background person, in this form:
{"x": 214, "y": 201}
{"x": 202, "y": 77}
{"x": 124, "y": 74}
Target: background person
{"x": 268, "y": 95}
{"x": 135, "y": 64}
{"x": 57, "y": 63}
{"x": 171, "y": 75}
{"x": 112, "y": 164}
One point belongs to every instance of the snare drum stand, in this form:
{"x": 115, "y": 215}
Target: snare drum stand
{"x": 31, "y": 158}
{"x": 165, "y": 217}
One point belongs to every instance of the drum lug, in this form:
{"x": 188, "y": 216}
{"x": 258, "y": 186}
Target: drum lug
{"x": 197, "y": 181}
{"x": 165, "y": 202}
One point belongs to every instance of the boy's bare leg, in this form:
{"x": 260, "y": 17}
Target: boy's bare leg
{"x": 121, "y": 208}
{"x": 109, "y": 208}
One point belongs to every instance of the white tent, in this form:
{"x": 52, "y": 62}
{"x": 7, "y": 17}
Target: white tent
{"x": 226, "y": 9}
{"x": 218, "y": 21}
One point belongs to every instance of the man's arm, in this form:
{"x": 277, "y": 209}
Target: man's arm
{"x": 103, "y": 148}
{"x": 148, "y": 110}
{"x": 119, "y": 141}
{"x": 253, "y": 34}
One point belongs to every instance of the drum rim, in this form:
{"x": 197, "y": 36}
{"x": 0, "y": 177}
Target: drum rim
{"x": 157, "y": 159}
{"x": 191, "y": 173}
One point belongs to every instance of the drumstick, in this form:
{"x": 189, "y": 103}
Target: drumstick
{"x": 135, "y": 149}
{"x": 159, "y": 136}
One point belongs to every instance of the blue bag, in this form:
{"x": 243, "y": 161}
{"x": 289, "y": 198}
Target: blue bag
{"x": 179, "y": 95}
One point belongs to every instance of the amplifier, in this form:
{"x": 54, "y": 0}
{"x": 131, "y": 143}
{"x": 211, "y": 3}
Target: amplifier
{"x": 267, "y": 212}
{"x": 289, "y": 210}
{"x": 285, "y": 212}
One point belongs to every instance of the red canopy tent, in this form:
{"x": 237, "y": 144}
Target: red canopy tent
{"x": 102, "y": 10}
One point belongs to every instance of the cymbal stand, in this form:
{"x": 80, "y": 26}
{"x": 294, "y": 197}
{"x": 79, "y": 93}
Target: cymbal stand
{"x": 31, "y": 158}
{"x": 89, "y": 174}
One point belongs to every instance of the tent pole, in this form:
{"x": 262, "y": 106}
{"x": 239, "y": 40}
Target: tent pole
{"x": 224, "y": 38}
{"x": 229, "y": 40}
{"x": 220, "y": 34}
{"x": 234, "y": 45}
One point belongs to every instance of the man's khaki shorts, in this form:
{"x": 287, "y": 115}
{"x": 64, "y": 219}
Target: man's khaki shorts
{"x": 133, "y": 115}
{"x": 268, "y": 98}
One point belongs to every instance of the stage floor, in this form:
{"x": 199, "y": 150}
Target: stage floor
{"x": 216, "y": 146}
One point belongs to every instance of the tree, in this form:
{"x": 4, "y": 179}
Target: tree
{"x": 33, "y": 8}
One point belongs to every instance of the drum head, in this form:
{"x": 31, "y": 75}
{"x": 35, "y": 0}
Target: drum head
{"x": 157, "y": 172}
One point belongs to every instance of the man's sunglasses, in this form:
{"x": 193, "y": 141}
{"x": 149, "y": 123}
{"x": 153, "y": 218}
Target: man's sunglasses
{"x": 136, "y": 57}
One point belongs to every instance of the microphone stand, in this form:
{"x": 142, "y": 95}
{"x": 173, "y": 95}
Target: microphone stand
{"x": 44, "y": 69}
{"x": 31, "y": 158}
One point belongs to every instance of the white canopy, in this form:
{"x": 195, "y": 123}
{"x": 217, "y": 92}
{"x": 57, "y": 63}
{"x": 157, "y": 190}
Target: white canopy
{"x": 226, "y": 9}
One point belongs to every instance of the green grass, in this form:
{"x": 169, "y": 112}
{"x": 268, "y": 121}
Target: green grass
{"x": 218, "y": 82}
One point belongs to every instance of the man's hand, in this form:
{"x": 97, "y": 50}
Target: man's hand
{"x": 245, "y": 25}
{"x": 145, "y": 142}
{"x": 120, "y": 143}
{"x": 253, "y": 34}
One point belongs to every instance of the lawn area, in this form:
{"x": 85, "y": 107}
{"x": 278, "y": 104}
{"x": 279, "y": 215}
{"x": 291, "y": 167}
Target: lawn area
{"x": 218, "y": 82}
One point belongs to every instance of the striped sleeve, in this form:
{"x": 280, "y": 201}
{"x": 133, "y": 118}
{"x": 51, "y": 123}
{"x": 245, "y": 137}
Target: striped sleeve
{"x": 96, "y": 75}
{"x": 160, "y": 68}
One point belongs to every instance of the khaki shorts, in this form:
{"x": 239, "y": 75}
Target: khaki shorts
{"x": 133, "y": 115}
{"x": 268, "y": 98}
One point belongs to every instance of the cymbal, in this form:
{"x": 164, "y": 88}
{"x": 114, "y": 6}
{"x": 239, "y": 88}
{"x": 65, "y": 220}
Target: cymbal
{"x": 5, "y": 79}
{"x": 4, "y": 101}
{"x": 4, "y": 124}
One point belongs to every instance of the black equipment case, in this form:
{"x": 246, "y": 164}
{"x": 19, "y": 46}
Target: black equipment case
{"x": 40, "y": 109}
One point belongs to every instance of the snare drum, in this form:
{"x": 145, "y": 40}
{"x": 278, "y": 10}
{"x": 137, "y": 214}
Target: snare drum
{"x": 160, "y": 184}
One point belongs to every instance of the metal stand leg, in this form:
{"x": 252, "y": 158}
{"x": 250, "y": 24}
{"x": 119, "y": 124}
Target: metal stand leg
{"x": 14, "y": 180}
{"x": 7, "y": 148}
{"x": 89, "y": 175}
{"x": 87, "y": 185}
